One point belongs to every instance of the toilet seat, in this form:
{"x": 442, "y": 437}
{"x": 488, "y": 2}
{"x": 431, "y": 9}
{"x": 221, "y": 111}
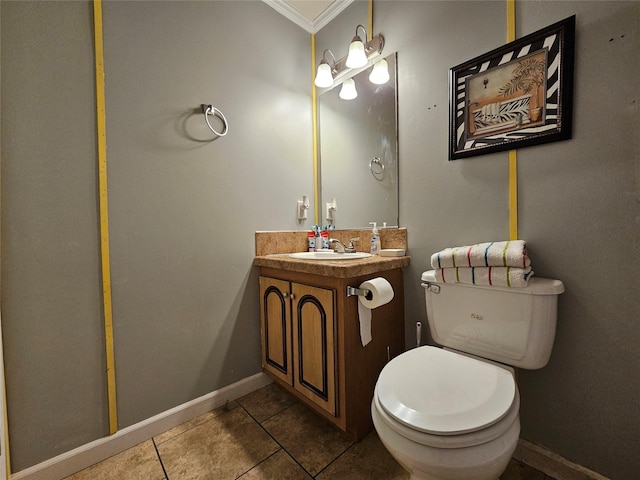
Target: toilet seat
{"x": 440, "y": 392}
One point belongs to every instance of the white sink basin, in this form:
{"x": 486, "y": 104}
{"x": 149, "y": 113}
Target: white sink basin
{"x": 329, "y": 255}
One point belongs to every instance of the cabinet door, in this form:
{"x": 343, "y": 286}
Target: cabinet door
{"x": 313, "y": 344}
{"x": 275, "y": 325}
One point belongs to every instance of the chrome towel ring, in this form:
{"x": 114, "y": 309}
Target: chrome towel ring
{"x": 377, "y": 168}
{"x": 213, "y": 111}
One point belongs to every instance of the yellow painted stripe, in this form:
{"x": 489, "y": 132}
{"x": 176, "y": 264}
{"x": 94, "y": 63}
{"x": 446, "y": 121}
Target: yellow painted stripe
{"x": 513, "y": 195}
{"x": 370, "y": 21}
{"x": 104, "y": 216}
{"x": 513, "y": 160}
{"x": 511, "y": 20}
{"x": 314, "y": 120}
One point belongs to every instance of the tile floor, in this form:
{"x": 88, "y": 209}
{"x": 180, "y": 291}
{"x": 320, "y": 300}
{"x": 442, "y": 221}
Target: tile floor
{"x": 266, "y": 435}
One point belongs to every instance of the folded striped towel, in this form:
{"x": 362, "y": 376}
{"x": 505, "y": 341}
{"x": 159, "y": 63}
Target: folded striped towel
{"x": 494, "y": 276}
{"x": 511, "y": 253}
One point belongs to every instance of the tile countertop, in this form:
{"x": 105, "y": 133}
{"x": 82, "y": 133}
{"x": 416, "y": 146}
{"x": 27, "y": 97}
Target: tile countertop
{"x": 272, "y": 249}
{"x": 296, "y": 241}
{"x": 332, "y": 268}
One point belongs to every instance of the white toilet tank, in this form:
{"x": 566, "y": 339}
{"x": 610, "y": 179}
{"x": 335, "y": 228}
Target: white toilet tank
{"x": 515, "y": 326}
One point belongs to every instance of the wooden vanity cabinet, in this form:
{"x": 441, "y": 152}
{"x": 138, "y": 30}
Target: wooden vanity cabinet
{"x": 298, "y": 346}
{"x": 311, "y": 343}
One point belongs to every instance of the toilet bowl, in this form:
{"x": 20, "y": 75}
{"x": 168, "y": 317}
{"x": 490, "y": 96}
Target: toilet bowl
{"x": 445, "y": 416}
{"x": 453, "y": 413}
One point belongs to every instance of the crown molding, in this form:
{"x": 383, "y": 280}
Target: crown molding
{"x": 310, "y": 25}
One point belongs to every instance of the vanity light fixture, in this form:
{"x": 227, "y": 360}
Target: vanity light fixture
{"x": 324, "y": 77}
{"x": 348, "y": 90}
{"x": 380, "y": 73}
{"x": 357, "y": 57}
{"x": 328, "y": 75}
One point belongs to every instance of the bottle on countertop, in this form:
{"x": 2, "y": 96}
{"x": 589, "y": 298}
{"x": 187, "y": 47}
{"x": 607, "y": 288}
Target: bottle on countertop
{"x": 312, "y": 240}
{"x": 318, "y": 240}
{"x": 325, "y": 238}
{"x": 375, "y": 239}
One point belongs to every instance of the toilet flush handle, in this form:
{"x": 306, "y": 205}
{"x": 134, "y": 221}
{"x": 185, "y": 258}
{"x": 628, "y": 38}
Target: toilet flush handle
{"x": 432, "y": 287}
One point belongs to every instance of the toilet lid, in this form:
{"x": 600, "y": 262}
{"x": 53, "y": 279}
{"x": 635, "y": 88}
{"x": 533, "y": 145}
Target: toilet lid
{"x": 441, "y": 392}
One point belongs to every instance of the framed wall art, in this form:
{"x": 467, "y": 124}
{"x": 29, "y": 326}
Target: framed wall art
{"x": 515, "y": 96}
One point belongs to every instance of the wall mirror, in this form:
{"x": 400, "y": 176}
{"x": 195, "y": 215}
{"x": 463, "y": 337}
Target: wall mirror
{"x": 359, "y": 152}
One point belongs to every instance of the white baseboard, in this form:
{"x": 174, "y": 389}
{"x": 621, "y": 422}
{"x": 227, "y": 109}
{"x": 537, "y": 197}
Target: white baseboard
{"x": 91, "y": 453}
{"x": 552, "y": 464}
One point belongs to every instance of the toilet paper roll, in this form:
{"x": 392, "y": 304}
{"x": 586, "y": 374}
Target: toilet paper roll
{"x": 381, "y": 294}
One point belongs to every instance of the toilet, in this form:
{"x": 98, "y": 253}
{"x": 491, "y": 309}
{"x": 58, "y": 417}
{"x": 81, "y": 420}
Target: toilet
{"x": 451, "y": 412}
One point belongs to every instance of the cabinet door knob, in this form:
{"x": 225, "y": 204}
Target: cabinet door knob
{"x": 285, "y": 294}
{"x": 292, "y": 296}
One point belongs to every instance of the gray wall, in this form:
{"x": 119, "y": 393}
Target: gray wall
{"x": 183, "y": 208}
{"x": 581, "y": 205}
{"x": 184, "y": 211}
{"x": 578, "y": 207}
{"x": 51, "y": 294}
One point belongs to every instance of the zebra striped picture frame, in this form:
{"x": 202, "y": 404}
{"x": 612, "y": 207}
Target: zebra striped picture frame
{"x": 518, "y": 95}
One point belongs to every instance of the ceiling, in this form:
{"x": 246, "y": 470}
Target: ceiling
{"x": 311, "y": 15}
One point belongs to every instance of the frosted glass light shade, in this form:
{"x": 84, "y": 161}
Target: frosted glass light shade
{"x": 324, "y": 78}
{"x": 380, "y": 73}
{"x": 348, "y": 90}
{"x": 357, "y": 57}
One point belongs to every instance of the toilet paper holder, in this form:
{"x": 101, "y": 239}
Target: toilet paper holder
{"x": 363, "y": 292}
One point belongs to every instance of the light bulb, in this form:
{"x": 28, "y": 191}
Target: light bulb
{"x": 357, "y": 57}
{"x": 380, "y": 73}
{"x": 323, "y": 77}
{"x": 348, "y": 90}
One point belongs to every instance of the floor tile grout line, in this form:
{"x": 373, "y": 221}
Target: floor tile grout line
{"x": 282, "y": 446}
{"x": 285, "y": 450}
{"x": 335, "y": 459}
{"x": 275, "y": 439}
{"x": 166, "y": 475}
{"x": 226, "y": 410}
{"x": 270, "y": 416}
{"x": 259, "y": 463}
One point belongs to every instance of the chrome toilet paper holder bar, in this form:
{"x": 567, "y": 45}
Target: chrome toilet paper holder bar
{"x": 363, "y": 292}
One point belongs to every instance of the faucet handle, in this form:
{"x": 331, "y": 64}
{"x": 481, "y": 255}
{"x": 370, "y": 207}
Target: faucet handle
{"x": 350, "y": 248}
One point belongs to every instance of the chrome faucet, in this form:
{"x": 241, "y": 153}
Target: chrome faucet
{"x": 339, "y": 246}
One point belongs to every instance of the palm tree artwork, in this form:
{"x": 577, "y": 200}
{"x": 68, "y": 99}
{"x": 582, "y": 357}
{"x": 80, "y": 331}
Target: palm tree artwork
{"x": 528, "y": 75}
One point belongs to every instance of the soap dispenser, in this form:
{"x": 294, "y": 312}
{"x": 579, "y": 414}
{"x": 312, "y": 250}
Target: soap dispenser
{"x": 375, "y": 239}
